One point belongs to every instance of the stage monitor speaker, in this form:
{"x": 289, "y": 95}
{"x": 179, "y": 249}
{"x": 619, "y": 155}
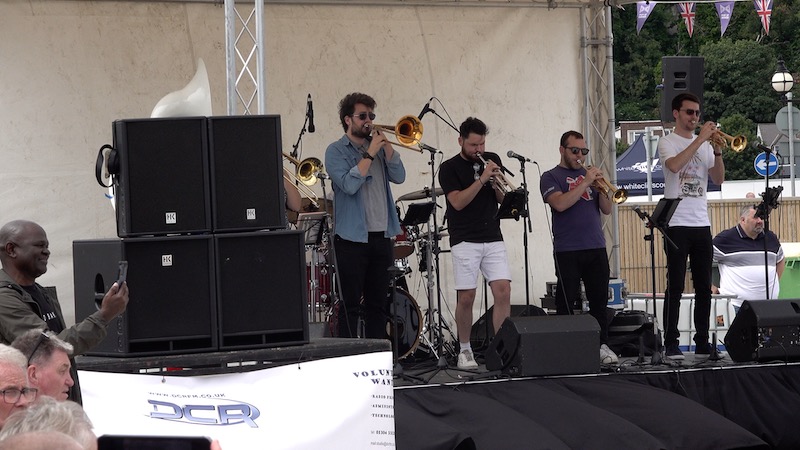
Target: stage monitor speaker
{"x": 171, "y": 281}
{"x": 483, "y": 329}
{"x": 246, "y": 173}
{"x": 261, "y": 289}
{"x": 681, "y": 74}
{"x": 163, "y": 182}
{"x": 765, "y": 330}
{"x": 548, "y": 345}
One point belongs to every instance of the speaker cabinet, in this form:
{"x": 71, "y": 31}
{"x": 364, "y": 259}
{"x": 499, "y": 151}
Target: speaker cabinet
{"x": 163, "y": 182}
{"x": 765, "y": 330}
{"x": 261, "y": 289}
{"x": 546, "y": 345}
{"x": 681, "y": 74}
{"x": 483, "y": 329}
{"x": 171, "y": 281}
{"x": 246, "y": 172}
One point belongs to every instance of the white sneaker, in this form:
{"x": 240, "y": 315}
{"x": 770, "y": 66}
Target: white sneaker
{"x": 607, "y": 356}
{"x": 466, "y": 360}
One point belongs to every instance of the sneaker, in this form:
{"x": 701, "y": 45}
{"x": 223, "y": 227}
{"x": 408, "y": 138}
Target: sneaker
{"x": 702, "y": 350}
{"x": 607, "y": 356}
{"x": 673, "y": 352}
{"x": 466, "y": 360}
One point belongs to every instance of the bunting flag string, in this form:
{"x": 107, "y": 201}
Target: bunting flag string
{"x": 764, "y": 11}
{"x": 724, "y": 11}
{"x": 687, "y": 12}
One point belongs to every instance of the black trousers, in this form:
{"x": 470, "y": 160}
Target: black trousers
{"x": 591, "y": 266}
{"x": 696, "y": 244}
{"x": 364, "y": 272}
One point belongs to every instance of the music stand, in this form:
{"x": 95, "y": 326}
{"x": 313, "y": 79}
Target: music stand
{"x": 418, "y": 213}
{"x": 311, "y": 224}
{"x": 665, "y": 208}
{"x": 512, "y": 206}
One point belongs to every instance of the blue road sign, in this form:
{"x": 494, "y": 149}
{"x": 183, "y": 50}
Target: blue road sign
{"x": 760, "y": 164}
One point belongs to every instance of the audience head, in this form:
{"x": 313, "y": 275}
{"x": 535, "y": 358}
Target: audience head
{"x": 40, "y": 440}
{"x": 48, "y": 362}
{"x": 14, "y": 391}
{"x": 47, "y": 414}
{"x": 24, "y": 251}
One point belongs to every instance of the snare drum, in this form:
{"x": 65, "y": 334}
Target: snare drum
{"x": 403, "y": 247}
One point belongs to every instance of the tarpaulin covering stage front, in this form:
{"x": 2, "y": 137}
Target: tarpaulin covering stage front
{"x": 744, "y": 406}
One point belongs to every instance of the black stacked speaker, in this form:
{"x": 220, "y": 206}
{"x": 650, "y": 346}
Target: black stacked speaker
{"x": 172, "y": 307}
{"x": 546, "y": 345}
{"x": 483, "y": 329}
{"x": 681, "y": 74}
{"x": 260, "y": 279}
{"x": 765, "y": 330}
{"x": 162, "y": 183}
{"x": 198, "y": 203}
{"x": 246, "y": 173}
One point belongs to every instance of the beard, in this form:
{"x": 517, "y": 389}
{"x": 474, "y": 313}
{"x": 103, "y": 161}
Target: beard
{"x": 362, "y": 132}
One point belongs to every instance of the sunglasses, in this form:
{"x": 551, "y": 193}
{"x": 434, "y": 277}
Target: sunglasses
{"x": 575, "y": 150}
{"x": 364, "y": 115}
{"x": 41, "y": 339}
{"x": 692, "y": 112}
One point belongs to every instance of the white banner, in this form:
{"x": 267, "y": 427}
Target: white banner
{"x": 336, "y": 403}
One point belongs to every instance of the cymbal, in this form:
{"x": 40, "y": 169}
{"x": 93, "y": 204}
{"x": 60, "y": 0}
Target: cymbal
{"x": 419, "y": 195}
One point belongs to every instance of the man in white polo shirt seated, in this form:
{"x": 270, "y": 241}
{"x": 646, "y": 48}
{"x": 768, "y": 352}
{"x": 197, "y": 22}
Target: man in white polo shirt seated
{"x": 739, "y": 252}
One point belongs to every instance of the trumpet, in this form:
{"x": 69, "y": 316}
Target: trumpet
{"x": 407, "y": 131}
{"x": 617, "y": 196}
{"x": 498, "y": 180}
{"x": 736, "y": 143}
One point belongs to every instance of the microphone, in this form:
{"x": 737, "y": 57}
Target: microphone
{"x": 425, "y": 109}
{"x": 642, "y": 215}
{"x": 310, "y": 114}
{"x": 511, "y": 154}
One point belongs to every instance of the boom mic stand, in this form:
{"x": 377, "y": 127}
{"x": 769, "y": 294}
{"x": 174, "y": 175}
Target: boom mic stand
{"x": 663, "y": 212}
{"x": 768, "y": 203}
{"x": 525, "y": 230}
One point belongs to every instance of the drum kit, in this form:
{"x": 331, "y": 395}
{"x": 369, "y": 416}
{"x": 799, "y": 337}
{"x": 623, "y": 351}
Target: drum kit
{"x": 412, "y": 325}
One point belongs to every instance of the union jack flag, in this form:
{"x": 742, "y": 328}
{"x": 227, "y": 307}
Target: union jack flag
{"x": 764, "y": 11}
{"x": 686, "y": 11}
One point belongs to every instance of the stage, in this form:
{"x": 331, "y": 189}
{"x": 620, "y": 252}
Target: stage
{"x": 694, "y": 405}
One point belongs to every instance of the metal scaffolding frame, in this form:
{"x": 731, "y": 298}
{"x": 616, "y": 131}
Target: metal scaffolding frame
{"x": 597, "y": 66}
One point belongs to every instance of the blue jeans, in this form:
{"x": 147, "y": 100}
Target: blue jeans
{"x": 694, "y": 243}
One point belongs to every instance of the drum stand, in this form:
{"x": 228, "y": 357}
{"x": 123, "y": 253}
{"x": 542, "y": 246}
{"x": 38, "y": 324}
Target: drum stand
{"x": 397, "y": 372}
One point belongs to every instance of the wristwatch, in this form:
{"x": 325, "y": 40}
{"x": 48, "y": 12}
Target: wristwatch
{"x": 366, "y": 155}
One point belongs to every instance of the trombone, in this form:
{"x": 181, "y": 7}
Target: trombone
{"x": 408, "y": 132}
{"x": 498, "y": 180}
{"x": 307, "y": 171}
{"x": 617, "y": 196}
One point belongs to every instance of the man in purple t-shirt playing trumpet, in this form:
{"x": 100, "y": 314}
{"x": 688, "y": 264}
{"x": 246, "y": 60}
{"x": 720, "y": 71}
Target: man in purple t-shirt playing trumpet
{"x": 579, "y": 246}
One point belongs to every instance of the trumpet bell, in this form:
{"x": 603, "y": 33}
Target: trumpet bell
{"x": 620, "y": 196}
{"x": 738, "y": 143}
{"x": 193, "y": 100}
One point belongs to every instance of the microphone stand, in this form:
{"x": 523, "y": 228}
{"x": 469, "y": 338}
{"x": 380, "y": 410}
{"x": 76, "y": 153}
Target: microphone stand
{"x": 299, "y": 137}
{"x": 525, "y": 230}
{"x": 657, "y": 357}
{"x": 335, "y": 291}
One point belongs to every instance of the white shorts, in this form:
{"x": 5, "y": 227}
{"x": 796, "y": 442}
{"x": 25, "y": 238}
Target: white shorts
{"x": 469, "y": 257}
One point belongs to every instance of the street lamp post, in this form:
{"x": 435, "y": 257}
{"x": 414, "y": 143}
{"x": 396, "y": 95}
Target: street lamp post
{"x": 782, "y": 82}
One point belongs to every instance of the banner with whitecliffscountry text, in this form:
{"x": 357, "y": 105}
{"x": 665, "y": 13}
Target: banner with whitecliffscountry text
{"x": 336, "y": 403}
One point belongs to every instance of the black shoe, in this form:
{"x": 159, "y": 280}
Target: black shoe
{"x": 673, "y": 352}
{"x": 702, "y": 350}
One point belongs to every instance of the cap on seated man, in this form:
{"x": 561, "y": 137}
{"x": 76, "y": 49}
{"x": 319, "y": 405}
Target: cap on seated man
{"x": 48, "y": 362}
